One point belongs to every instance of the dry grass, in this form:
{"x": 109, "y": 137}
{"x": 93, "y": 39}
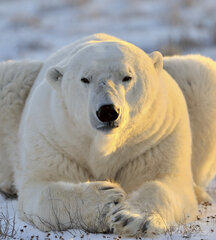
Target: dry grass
{"x": 184, "y": 230}
{"x": 7, "y": 225}
{"x": 176, "y": 47}
{"x": 185, "y": 42}
{"x": 188, "y": 3}
{"x": 188, "y": 230}
{"x": 20, "y": 21}
{"x": 76, "y": 3}
{"x": 213, "y": 34}
{"x": 170, "y": 49}
{"x": 75, "y": 221}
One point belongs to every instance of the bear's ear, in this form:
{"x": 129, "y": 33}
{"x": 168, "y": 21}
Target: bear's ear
{"x": 54, "y": 76}
{"x": 157, "y": 60}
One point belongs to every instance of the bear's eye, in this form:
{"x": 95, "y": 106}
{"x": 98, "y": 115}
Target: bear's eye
{"x": 85, "y": 80}
{"x": 126, "y": 79}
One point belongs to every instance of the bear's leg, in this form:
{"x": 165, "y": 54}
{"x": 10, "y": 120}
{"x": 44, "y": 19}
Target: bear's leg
{"x": 205, "y": 169}
{"x": 55, "y": 193}
{"x": 163, "y": 199}
{"x": 61, "y": 206}
{"x": 6, "y": 178}
{"x": 6, "y": 173}
{"x": 154, "y": 208}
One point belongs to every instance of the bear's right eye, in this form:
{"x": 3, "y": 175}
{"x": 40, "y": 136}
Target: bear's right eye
{"x": 85, "y": 80}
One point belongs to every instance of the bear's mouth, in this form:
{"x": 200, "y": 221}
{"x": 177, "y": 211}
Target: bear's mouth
{"x": 106, "y": 127}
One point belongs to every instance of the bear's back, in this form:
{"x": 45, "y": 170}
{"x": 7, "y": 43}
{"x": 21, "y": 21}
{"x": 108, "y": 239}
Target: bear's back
{"x": 16, "y": 80}
{"x": 196, "y": 76}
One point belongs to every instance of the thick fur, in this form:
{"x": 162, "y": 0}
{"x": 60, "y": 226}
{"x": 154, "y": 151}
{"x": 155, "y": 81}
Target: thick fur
{"x": 135, "y": 179}
{"x": 16, "y": 80}
{"x": 196, "y": 76}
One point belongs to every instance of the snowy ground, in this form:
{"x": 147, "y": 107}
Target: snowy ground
{"x": 35, "y": 28}
{"x": 202, "y": 229}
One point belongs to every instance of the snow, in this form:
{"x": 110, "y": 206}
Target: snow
{"x": 203, "y": 228}
{"x": 36, "y": 28}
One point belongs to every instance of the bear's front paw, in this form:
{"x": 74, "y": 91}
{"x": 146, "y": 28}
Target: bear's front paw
{"x": 100, "y": 199}
{"x": 107, "y": 193}
{"x": 126, "y": 223}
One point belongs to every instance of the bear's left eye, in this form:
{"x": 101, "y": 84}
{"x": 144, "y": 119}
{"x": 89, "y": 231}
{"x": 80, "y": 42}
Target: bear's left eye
{"x": 85, "y": 80}
{"x": 126, "y": 79}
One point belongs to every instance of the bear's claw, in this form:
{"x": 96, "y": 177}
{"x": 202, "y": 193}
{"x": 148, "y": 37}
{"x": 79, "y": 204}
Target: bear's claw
{"x": 124, "y": 222}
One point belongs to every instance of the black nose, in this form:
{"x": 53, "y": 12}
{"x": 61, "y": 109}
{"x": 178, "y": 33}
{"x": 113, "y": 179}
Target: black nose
{"x": 107, "y": 113}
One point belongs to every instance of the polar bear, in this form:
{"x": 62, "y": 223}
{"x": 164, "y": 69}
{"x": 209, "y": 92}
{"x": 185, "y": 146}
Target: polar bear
{"x": 104, "y": 140}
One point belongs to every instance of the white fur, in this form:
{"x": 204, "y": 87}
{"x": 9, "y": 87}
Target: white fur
{"x": 65, "y": 162}
{"x": 16, "y": 80}
{"x": 196, "y": 76}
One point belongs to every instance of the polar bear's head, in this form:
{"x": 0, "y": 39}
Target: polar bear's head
{"x": 106, "y": 85}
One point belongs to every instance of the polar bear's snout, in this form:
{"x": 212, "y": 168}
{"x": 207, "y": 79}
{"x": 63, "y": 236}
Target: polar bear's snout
{"x": 108, "y": 113}
{"x": 108, "y": 116}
